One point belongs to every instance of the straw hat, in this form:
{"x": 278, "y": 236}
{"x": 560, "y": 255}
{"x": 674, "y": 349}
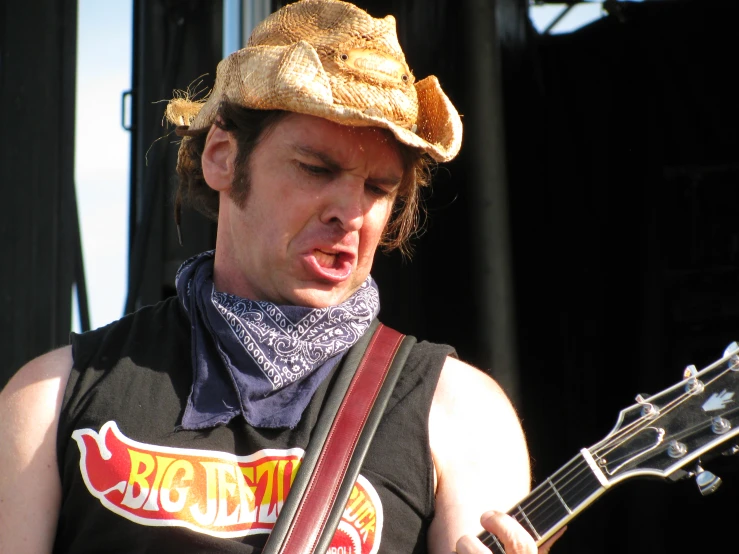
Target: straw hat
{"x": 333, "y": 60}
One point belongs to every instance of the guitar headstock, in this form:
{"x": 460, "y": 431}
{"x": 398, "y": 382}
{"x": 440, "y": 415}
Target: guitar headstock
{"x": 668, "y": 433}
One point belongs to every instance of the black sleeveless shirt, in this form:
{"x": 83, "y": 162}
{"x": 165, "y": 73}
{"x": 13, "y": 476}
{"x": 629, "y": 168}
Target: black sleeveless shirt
{"x": 134, "y": 481}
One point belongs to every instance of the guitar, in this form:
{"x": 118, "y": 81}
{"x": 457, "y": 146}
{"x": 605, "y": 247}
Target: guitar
{"x": 665, "y": 435}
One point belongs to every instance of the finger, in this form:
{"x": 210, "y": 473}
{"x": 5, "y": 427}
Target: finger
{"x": 544, "y": 548}
{"x": 470, "y": 545}
{"x": 515, "y": 539}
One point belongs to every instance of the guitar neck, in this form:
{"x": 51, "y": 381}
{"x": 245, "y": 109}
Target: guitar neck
{"x": 556, "y": 500}
{"x": 660, "y": 435}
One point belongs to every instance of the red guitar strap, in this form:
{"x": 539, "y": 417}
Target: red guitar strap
{"x": 321, "y": 489}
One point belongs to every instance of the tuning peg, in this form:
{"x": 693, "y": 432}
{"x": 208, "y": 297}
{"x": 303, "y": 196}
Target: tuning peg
{"x": 707, "y": 482}
{"x": 690, "y": 371}
{"x": 693, "y": 385}
{"x": 647, "y": 409}
{"x": 676, "y": 449}
{"x": 733, "y": 449}
{"x": 731, "y": 349}
{"x": 719, "y": 425}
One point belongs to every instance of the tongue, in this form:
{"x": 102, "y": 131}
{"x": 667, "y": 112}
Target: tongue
{"x": 326, "y": 260}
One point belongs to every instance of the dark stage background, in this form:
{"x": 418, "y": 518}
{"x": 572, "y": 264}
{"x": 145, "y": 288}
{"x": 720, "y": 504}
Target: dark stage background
{"x": 583, "y": 248}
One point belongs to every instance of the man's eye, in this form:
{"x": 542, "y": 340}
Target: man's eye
{"x": 376, "y": 190}
{"x": 314, "y": 169}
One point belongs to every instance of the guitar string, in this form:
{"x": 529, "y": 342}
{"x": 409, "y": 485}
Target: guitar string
{"x": 704, "y": 424}
{"x": 726, "y": 359}
{"x": 685, "y": 395}
{"x": 535, "y": 503}
{"x": 532, "y": 509}
{"x": 532, "y": 506}
{"x": 618, "y": 435}
{"x": 541, "y": 490}
{"x": 547, "y": 497}
{"x": 669, "y": 407}
{"x": 558, "y": 482}
{"x": 491, "y": 540}
{"x": 612, "y": 445}
{"x": 686, "y": 432}
{"x": 634, "y": 427}
{"x": 582, "y": 469}
{"x": 531, "y": 503}
{"x": 531, "y": 512}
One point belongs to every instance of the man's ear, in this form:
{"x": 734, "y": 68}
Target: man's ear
{"x": 219, "y": 158}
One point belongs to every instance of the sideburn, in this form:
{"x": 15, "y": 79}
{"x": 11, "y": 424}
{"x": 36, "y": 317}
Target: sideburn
{"x": 241, "y": 123}
{"x": 241, "y": 183}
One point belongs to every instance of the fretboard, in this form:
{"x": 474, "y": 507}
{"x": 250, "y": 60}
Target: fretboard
{"x": 554, "y": 502}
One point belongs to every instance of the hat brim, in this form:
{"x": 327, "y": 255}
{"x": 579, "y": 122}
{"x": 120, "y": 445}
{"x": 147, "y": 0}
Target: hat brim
{"x": 292, "y": 78}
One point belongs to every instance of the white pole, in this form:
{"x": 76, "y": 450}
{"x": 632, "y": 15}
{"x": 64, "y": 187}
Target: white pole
{"x": 254, "y": 12}
{"x": 232, "y": 29}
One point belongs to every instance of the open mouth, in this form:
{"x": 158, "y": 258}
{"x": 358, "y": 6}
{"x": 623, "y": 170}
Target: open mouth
{"x": 326, "y": 260}
{"x": 334, "y": 266}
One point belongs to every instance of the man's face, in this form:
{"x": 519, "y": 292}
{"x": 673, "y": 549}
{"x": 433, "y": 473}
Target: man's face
{"x": 319, "y": 199}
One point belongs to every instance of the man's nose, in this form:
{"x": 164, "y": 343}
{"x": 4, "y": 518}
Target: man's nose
{"x": 345, "y": 206}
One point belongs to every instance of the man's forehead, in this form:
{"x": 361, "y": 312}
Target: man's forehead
{"x": 339, "y": 144}
{"x": 315, "y": 127}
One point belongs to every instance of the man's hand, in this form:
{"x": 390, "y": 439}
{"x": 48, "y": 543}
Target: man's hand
{"x": 514, "y": 538}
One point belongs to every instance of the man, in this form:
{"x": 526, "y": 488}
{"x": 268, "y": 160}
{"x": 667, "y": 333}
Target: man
{"x": 180, "y": 427}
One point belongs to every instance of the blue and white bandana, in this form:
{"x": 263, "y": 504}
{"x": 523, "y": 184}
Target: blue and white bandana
{"x": 257, "y": 358}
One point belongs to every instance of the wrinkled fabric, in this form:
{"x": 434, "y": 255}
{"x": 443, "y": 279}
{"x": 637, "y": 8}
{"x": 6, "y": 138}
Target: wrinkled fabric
{"x": 259, "y": 359}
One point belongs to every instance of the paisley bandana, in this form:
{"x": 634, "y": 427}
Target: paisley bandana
{"x": 259, "y": 359}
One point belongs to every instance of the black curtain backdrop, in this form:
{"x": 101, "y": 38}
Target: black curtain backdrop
{"x": 39, "y": 235}
{"x": 624, "y": 182}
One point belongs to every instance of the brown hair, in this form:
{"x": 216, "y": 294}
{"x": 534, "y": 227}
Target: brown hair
{"x": 248, "y": 126}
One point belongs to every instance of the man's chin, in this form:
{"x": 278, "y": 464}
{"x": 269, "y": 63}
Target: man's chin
{"x": 322, "y": 298}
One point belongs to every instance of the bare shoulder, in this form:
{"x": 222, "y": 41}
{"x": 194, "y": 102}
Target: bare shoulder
{"x": 479, "y": 452}
{"x": 29, "y": 483}
{"x": 52, "y": 364}
{"x": 29, "y": 398}
{"x": 468, "y": 404}
{"x": 460, "y": 383}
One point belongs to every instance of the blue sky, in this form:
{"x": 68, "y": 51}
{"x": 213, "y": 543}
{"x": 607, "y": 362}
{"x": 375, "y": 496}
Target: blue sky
{"x": 580, "y": 14}
{"x": 102, "y": 152}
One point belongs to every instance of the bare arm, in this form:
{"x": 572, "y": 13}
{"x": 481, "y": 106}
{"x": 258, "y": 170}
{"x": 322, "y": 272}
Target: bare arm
{"x": 30, "y": 488}
{"x": 481, "y": 462}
